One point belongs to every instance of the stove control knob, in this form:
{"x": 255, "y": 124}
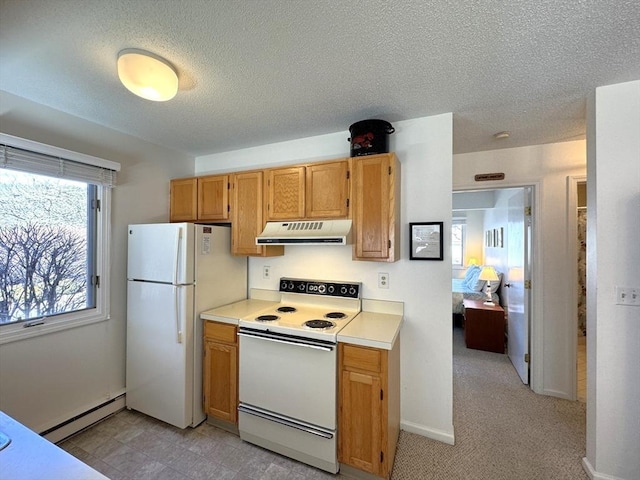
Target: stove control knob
{"x": 322, "y": 288}
{"x": 331, "y": 289}
{"x": 352, "y": 291}
{"x": 290, "y": 285}
{"x": 300, "y": 287}
{"x": 343, "y": 290}
{"x": 283, "y": 285}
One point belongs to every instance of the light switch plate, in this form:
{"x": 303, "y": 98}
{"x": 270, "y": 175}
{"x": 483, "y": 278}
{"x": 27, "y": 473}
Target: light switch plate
{"x": 627, "y": 296}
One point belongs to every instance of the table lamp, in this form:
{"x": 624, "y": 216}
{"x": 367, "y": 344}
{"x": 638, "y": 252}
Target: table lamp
{"x": 489, "y": 274}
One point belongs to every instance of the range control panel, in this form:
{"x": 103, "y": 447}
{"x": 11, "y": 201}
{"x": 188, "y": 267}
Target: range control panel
{"x": 315, "y": 287}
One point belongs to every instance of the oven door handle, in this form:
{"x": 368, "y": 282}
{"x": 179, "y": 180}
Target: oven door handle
{"x": 286, "y": 340}
{"x": 273, "y": 417}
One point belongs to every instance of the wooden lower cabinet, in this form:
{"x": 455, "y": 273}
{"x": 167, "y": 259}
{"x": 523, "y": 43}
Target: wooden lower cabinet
{"x": 369, "y": 411}
{"x": 220, "y": 372}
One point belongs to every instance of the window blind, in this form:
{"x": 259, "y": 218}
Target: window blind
{"x": 15, "y": 158}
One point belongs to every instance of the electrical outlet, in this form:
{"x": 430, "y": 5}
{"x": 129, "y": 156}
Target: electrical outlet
{"x": 383, "y": 280}
{"x": 266, "y": 271}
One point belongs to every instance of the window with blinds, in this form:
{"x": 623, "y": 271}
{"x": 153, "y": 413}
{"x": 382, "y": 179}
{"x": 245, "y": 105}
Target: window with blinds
{"x": 458, "y": 239}
{"x": 54, "y": 226}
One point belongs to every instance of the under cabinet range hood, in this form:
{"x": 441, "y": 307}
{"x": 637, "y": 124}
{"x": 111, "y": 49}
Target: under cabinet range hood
{"x": 315, "y": 232}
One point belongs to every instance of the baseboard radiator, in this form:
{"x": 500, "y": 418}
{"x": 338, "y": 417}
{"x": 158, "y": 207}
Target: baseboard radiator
{"x": 80, "y": 422}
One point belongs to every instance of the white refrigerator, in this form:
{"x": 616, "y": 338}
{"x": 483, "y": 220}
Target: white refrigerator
{"x": 174, "y": 272}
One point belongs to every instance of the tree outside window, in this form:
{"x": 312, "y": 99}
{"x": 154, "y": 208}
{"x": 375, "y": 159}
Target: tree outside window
{"x": 47, "y": 226}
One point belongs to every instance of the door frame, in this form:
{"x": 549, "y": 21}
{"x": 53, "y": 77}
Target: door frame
{"x": 572, "y": 256}
{"x": 536, "y": 323}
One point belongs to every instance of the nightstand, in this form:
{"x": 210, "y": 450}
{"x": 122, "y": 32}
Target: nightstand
{"x": 484, "y": 326}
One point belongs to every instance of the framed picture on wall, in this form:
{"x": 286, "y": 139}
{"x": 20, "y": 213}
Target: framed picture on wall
{"x": 427, "y": 240}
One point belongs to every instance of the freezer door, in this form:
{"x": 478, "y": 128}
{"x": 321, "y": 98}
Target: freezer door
{"x": 161, "y": 252}
{"x": 160, "y": 351}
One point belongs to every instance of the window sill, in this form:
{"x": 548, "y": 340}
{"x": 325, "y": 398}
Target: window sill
{"x": 15, "y": 332}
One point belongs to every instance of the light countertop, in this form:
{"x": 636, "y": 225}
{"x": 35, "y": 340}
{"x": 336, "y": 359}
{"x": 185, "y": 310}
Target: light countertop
{"x": 30, "y": 456}
{"x": 377, "y": 326}
{"x": 233, "y": 312}
{"x": 372, "y": 329}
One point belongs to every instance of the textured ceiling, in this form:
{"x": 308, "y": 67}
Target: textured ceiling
{"x": 262, "y": 71}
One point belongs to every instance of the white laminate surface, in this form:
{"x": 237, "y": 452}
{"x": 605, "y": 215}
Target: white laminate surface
{"x": 234, "y": 311}
{"x": 31, "y": 457}
{"x": 370, "y": 329}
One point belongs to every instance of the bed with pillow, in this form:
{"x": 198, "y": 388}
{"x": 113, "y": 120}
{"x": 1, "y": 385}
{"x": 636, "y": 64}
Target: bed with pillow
{"x": 471, "y": 287}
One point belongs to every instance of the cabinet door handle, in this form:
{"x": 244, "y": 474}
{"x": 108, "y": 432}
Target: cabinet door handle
{"x": 507, "y": 285}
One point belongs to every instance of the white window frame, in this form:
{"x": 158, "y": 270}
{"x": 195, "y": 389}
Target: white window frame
{"x": 20, "y": 330}
{"x": 461, "y": 221}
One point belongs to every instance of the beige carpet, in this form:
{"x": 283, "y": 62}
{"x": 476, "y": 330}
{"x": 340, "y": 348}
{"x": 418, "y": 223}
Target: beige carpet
{"x": 502, "y": 429}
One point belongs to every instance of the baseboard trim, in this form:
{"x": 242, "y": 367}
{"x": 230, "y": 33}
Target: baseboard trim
{"x": 556, "y": 393}
{"x": 440, "y": 435}
{"x": 351, "y": 472}
{"x": 84, "y": 420}
{"x": 593, "y": 474}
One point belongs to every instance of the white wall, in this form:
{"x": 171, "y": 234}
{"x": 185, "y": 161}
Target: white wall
{"x": 48, "y": 379}
{"x": 613, "y": 259}
{"x": 497, "y": 218}
{"x": 423, "y": 147}
{"x": 547, "y": 167}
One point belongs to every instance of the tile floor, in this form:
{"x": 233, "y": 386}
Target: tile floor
{"x": 582, "y": 368}
{"x": 130, "y": 445}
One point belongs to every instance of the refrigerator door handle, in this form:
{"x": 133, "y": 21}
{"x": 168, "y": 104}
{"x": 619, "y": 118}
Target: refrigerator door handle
{"x": 176, "y": 299}
{"x": 176, "y": 259}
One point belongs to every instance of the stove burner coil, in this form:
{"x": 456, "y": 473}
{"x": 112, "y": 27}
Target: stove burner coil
{"x": 319, "y": 324}
{"x": 287, "y": 309}
{"x": 267, "y": 318}
{"x": 336, "y": 315}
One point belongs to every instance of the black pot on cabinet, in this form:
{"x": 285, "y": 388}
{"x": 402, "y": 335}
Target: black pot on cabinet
{"x": 370, "y": 137}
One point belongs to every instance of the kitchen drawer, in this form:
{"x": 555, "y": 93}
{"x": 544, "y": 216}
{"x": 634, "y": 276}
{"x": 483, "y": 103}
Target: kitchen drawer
{"x": 222, "y": 332}
{"x": 362, "y": 358}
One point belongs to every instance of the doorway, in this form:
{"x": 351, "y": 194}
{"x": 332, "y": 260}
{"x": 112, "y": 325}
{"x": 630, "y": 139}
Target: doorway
{"x": 577, "y": 236}
{"x": 494, "y": 218}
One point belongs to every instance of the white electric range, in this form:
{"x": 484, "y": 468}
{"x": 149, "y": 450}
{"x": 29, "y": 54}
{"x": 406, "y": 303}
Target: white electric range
{"x": 288, "y": 370}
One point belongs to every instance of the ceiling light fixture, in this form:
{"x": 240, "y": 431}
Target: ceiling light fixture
{"x": 147, "y": 75}
{"x": 501, "y": 135}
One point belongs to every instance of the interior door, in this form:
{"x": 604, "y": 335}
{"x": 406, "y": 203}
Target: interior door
{"x": 518, "y": 245}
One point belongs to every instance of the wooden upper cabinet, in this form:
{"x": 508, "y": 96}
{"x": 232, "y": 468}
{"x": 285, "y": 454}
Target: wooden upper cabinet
{"x": 376, "y": 203}
{"x": 247, "y": 215}
{"x": 327, "y": 190}
{"x": 213, "y": 198}
{"x": 313, "y": 191}
{"x": 285, "y": 193}
{"x": 183, "y": 200}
